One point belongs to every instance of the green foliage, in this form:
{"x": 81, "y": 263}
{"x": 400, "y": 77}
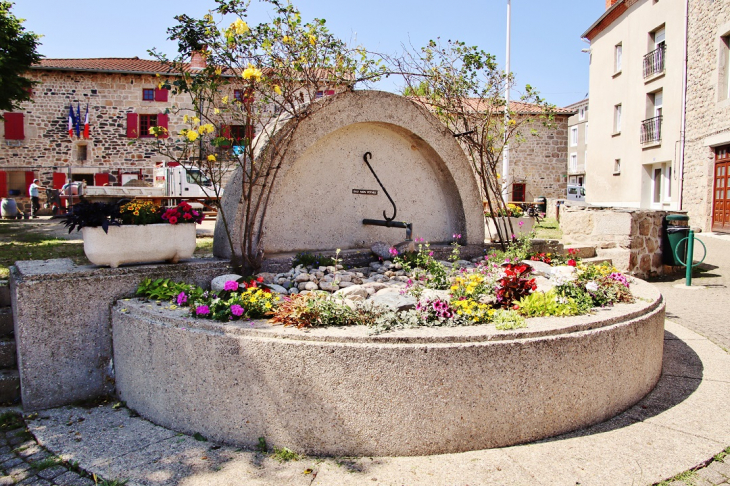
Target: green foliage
{"x": 166, "y": 290}
{"x": 46, "y": 463}
{"x": 426, "y": 270}
{"x": 19, "y": 51}
{"x": 309, "y": 260}
{"x": 546, "y": 304}
{"x": 317, "y": 309}
{"x": 262, "y": 446}
{"x": 199, "y": 437}
{"x": 578, "y": 295}
{"x": 11, "y": 420}
{"x": 507, "y": 319}
{"x": 282, "y": 454}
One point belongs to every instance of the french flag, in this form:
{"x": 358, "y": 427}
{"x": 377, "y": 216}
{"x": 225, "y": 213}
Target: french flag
{"x": 86, "y": 123}
{"x": 70, "y": 121}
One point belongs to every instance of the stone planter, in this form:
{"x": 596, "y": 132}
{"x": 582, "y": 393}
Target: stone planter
{"x": 139, "y": 244}
{"x": 525, "y": 228}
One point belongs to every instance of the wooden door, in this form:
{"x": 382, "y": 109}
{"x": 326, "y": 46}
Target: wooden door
{"x": 721, "y": 190}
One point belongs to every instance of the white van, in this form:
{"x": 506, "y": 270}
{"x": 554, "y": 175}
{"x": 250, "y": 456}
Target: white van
{"x": 576, "y": 193}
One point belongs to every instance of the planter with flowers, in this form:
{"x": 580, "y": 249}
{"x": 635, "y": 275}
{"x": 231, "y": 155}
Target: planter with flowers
{"x": 135, "y": 232}
{"x": 521, "y": 225}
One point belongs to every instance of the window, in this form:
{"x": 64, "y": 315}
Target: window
{"x": 238, "y": 95}
{"x": 651, "y": 128}
{"x": 573, "y": 136}
{"x": 518, "y": 192}
{"x": 657, "y": 185}
{"x": 659, "y": 38}
{"x": 15, "y": 183}
{"x": 617, "y": 119}
{"x": 145, "y": 122}
{"x": 148, "y": 94}
{"x": 723, "y": 68}
{"x": 582, "y": 113}
{"x": 573, "y": 164}
{"x": 320, "y": 94}
{"x": 82, "y": 153}
{"x": 239, "y": 133}
{"x": 654, "y": 60}
{"x": 617, "y": 166}
{"x": 618, "y": 49}
{"x": 13, "y": 126}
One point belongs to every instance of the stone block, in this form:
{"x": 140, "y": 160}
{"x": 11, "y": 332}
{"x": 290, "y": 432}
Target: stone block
{"x": 6, "y": 321}
{"x": 612, "y": 223}
{"x": 4, "y": 293}
{"x": 620, "y": 257}
{"x": 7, "y": 355}
{"x": 9, "y": 386}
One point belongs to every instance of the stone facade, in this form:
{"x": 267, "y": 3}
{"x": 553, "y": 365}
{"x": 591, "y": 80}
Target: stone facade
{"x": 539, "y": 161}
{"x": 708, "y": 105}
{"x": 632, "y": 238}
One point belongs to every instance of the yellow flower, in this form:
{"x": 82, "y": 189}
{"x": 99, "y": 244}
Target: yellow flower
{"x": 286, "y": 39}
{"x": 218, "y": 71}
{"x": 192, "y": 135}
{"x": 211, "y": 158}
{"x": 277, "y": 89}
{"x": 312, "y": 40}
{"x": 252, "y": 73}
{"x": 216, "y": 111}
{"x": 240, "y": 27}
{"x": 224, "y": 100}
{"x": 196, "y": 120}
{"x": 185, "y": 118}
{"x": 207, "y": 128}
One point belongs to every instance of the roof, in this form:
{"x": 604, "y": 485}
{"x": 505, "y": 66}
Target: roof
{"x": 573, "y": 107}
{"x": 530, "y": 109}
{"x": 131, "y": 65}
{"x": 612, "y": 13}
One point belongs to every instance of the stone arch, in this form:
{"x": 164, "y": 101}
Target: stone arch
{"x": 312, "y": 205}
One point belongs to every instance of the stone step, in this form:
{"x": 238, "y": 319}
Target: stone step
{"x": 4, "y": 293}
{"x": 581, "y": 251}
{"x": 6, "y": 321}
{"x": 597, "y": 260}
{"x": 9, "y": 387}
{"x": 8, "y": 358}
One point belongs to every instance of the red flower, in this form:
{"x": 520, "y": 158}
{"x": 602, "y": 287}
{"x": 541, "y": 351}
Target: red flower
{"x": 187, "y": 216}
{"x": 173, "y": 220}
{"x": 260, "y": 279}
{"x": 571, "y": 262}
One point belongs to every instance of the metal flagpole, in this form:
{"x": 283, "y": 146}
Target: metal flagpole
{"x": 505, "y": 152}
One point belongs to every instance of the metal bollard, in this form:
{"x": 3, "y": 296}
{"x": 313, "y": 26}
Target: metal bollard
{"x": 689, "y": 257}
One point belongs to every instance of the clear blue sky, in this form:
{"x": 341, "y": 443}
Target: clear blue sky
{"x": 546, "y": 44}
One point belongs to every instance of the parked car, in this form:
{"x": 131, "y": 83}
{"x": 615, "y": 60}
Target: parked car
{"x": 576, "y": 193}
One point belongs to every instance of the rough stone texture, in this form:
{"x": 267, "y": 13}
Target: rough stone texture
{"x": 61, "y": 314}
{"x": 708, "y": 108}
{"x": 6, "y": 321}
{"x": 219, "y": 282}
{"x": 417, "y": 159}
{"x": 344, "y": 392}
{"x": 631, "y": 238}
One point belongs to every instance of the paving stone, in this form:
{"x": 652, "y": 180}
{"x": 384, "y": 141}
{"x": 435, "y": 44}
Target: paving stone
{"x": 711, "y": 474}
{"x": 52, "y": 472}
{"x": 721, "y": 467}
{"x": 6, "y": 480}
{"x": 11, "y": 462}
{"x": 6, "y": 457}
{"x": 71, "y": 478}
{"x": 29, "y": 450}
{"x": 38, "y": 456}
{"x": 35, "y": 481}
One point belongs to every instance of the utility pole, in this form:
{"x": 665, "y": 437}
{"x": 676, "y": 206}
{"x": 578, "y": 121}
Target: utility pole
{"x": 505, "y": 152}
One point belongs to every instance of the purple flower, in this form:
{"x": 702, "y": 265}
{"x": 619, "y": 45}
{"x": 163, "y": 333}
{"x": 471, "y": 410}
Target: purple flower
{"x": 393, "y": 251}
{"x": 236, "y": 310}
{"x": 202, "y": 310}
{"x": 231, "y": 285}
{"x": 521, "y": 223}
{"x": 430, "y": 253}
{"x": 181, "y": 298}
{"x": 457, "y": 236}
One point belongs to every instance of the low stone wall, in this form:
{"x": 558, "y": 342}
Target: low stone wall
{"x": 632, "y": 238}
{"x": 341, "y": 391}
{"x": 62, "y": 323}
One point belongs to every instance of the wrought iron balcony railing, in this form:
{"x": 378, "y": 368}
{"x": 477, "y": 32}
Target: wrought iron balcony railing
{"x": 651, "y": 130}
{"x": 654, "y": 61}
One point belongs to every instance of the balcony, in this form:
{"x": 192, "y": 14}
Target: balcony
{"x": 651, "y": 130}
{"x": 654, "y": 62}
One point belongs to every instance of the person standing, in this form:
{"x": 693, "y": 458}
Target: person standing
{"x": 35, "y": 202}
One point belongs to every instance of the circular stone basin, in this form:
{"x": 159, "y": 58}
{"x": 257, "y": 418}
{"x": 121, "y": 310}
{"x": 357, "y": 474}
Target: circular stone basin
{"x": 341, "y": 391}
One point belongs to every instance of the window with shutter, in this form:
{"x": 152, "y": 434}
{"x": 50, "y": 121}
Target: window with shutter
{"x": 14, "y": 126}
{"x": 3, "y": 183}
{"x": 132, "y": 126}
{"x": 162, "y": 121}
{"x": 161, "y": 94}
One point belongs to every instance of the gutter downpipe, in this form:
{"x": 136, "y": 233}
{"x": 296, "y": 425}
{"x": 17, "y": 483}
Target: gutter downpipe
{"x": 505, "y": 152}
{"x": 682, "y": 135}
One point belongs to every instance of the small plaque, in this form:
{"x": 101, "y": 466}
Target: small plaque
{"x": 365, "y": 192}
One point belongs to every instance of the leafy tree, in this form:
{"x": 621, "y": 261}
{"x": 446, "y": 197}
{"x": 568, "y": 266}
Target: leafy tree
{"x": 18, "y": 51}
{"x": 270, "y": 77}
{"x": 464, "y": 87}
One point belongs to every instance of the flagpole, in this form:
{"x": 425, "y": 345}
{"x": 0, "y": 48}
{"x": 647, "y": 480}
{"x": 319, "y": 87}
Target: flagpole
{"x": 505, "y": 152}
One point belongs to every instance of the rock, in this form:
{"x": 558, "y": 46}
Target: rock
{"x": 302, "y": 277}
{"x": 394, "y": 300}
{"x": 219, "y": 283}
{"x": 329, "y": 286}
{"x": 344, "y": 277}
{"x": 375, "y": 286}
{"x": 319, "y": 274}
{"x": 322, "y": 269}
{"x": 405, "y": 247}
{"x": 539, "y": 268}
{"x": 432, "y": 294}
{"x": 463, "y": 264}
{"x": 293, "y": 291}
{"x": 353, "y": 291}
{"x": 357, "y": 280}
{"x": 375, "y": 265}
{"x": 381, "y": 249}
{"x": 310, "y": 286}
{"x": 345, "y": 283}
{"x": 286, "y": 284}
{"x": 387, "y": 264}
{"x": 331, "y": 269}
{"x": 268, "y": 277}
{"x": 278, "y": 289}
{"x": 543, "y": 284}
{"x": 303, "y": 285}
{"x": 564, "y": 272}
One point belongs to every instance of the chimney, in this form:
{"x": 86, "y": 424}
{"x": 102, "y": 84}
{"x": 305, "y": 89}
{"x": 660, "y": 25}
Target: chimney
{"x": 609, "y": 3}
{"x": 197, "y": 59}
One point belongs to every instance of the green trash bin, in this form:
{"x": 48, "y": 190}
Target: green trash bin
{"x": 677, "y": 229}
{"x": 541, "y": 204}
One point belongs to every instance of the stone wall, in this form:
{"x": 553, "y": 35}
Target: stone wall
{"x": 708, "y": 108}
{"x": 632, "y": 238}
{"x": 541, "y": 160}
{"x": 62, "y": 321}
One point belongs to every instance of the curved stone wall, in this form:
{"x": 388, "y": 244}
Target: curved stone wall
{"x": 340, "y": 391}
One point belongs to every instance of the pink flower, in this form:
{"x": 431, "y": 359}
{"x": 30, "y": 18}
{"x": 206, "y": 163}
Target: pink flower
{"x": 181, "y": 298}
{"x": 521, "y": 223}
{"x": 173, "y": 220}
{"x": 393, "y": 251}
{"x": 236, "y": 310}
{"x": 202, "y": 310}
{"x": 230, "y": 285}
{"x": 430, "y": 253}
{"x": 571, "y": 262}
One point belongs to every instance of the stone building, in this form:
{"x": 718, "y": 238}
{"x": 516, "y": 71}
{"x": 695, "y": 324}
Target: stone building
{"x": 538, "y": 163}
{"x": 577, "y": 143}
{"x": 705, "y": 193}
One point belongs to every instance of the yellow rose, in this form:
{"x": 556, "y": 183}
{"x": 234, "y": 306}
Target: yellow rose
{"x": 240, "y": 27}
{"x": 277, "y": 89}
{"x": 224, "y": 100}
{"x": 252, "y": 73}
{"x": 286, "y": 39}
{"x": 312, "y": 40}
{"x": 211, "y": 158}
{"x": 185, "y": 118}
{"x": 192, "y": 135}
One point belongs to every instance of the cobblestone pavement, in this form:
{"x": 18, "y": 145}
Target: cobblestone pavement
{"x": 704, "y": 309}
{"x": 23, "y": 461}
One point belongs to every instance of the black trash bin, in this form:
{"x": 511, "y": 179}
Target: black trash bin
{"x": 541, "y": 204}
{"x": 676, "y": 229}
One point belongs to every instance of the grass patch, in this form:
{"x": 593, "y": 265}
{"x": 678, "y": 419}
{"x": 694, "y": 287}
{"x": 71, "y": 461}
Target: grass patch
{"x": 282, "y": 454}
{"x": 203, "y": 247}
{"x": 686, "y": 477}
{"x": 722, "y": 455}
{"x": 548, "y": 229}
{"x": 46, "y": 463}
{"x": 42, "y": 249}
{"x": 11, "y": 421}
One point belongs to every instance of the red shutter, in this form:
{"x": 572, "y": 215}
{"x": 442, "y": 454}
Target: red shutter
{"x": 329, "y": 92}
{"x": 161, "y": 94}
{"x": 59, "y": 179}
{"x": 101, "y": 179}
{"x": 225, "y": 131}
{"x": 29, "y": 176}
{"x": 3, "y": 183}
{"x": 162, "y": 122}
{"x": 132, "y": 125}
{"x": 14, "y": 126}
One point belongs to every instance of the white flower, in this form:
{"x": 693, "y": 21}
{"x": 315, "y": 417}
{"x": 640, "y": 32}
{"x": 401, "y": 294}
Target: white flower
{"x": 591, "y": 286}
